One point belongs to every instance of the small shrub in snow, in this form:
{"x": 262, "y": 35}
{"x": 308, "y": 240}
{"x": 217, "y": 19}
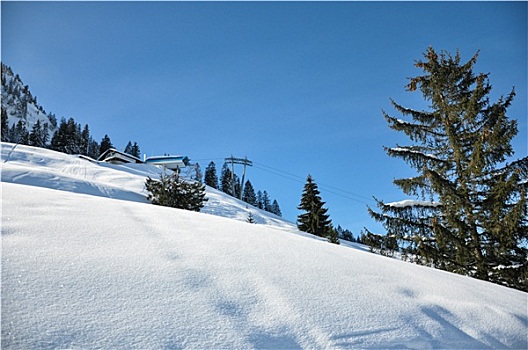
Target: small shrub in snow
{"x": 172, "y": 191}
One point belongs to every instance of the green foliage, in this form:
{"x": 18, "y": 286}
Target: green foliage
{"x": 210, "y": 178}
{"x": 106, "y": 144}
{"x": 172, "y": 191}
{"x": 315, "y": 219}
{"x": 470, "y": 216}
{"x": 248, "y": 195}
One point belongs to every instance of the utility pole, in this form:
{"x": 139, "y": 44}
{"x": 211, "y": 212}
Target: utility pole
{"x": 234, "y": 161}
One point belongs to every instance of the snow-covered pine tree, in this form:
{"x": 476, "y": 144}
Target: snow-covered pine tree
{"x": 248, "y": 195}
{"x": 211, "y": 179}
{"x": 315, "y": 220}
{"x": 38, "y": 136}
{"x": 470, "y": 212}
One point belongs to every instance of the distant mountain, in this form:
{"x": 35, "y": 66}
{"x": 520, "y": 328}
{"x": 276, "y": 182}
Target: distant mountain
{"x": 20, "y": 104}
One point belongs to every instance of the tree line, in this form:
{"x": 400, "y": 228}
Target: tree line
{"x": 69, "y": 137}
{"x": 230, "y": 184}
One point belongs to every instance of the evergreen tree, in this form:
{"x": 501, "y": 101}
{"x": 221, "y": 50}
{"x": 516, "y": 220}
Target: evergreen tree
{"x": 135, "y": 150}
{"x": 333, "y": 236}
{"x": 315, "y": 220}
{"x": 39, "y": 135}
{"x": 85, "y": 139}
{"x": 248, "y": 194}
{"x": 106, "y": 144}
{"x": 226, "y": 180}
{"x": 18, "y": 133}
{"x": 172, "y": 191}
{"x": 5, "y": 125}
{"x": 67, "y": 138}
{"x": 275, "y": 209}
{"x": 211, "y": 179}
{"x": 128, "y": 148}
{"x": 266, "y": 202}
{"x": 251, "y": 218}
{"x": 260, "y": 200}
{"x": 470, "y": 212}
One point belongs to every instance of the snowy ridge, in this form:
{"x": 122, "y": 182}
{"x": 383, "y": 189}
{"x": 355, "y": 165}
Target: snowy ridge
{"x": 19, "y": 104}
{"x": 88, "y": 263}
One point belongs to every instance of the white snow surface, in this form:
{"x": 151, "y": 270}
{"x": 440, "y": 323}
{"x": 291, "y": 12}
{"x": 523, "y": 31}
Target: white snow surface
{"x": 88, "y": 263}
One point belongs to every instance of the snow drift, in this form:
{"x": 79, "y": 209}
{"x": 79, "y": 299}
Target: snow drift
{"x": 87, "y": 263}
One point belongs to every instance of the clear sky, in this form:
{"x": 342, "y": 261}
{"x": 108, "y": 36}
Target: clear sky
{"x": 297, "y": 87}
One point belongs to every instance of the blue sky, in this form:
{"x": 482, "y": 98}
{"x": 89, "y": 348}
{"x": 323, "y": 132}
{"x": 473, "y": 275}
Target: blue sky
{"x": 297, "y": 87}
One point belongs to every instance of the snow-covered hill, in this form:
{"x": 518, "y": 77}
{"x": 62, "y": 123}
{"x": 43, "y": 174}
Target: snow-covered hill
{"x": 88, "y": 263}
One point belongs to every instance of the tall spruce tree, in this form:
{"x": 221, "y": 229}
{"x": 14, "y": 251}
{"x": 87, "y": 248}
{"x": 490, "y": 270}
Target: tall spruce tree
{"x": 210, "y": 178}
{"x": 315, "y": 220}
{"x": 469, "y": 214}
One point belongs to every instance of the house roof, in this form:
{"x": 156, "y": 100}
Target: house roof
{"x": 112, "y": 155}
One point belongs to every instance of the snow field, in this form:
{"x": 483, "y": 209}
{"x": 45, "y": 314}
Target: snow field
{"x": 90, "y": 271}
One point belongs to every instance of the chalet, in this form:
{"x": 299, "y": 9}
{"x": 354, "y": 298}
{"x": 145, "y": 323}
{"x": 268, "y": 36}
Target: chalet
{"x": 113, "y": 156}
{"x": 174, "y": 163}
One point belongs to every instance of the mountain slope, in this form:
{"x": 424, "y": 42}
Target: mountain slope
{"x": 89, "y": 271}
{"x": 21, "y": 105}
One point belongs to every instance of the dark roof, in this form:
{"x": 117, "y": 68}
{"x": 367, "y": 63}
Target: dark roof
{"x": 112, "y": 155}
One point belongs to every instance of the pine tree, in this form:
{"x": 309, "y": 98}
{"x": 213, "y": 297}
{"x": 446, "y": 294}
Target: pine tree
{"x": 266, "y": 202}
{"x": 333, "y": 235}
{"x": 19, "y": 134}
{"x": 128, "y": 148}
{"x": 251, "y": 218}
{"x": 106, "y": 144}
{"x": 248, "y": 195}
{"x": 67, "y": 138}
{"x": 211, "y": 179}
{"x": 315, "y": 220}
{"x": 226, "y": 180}
{"x": 5, "y": 124}
{"x": 260, "y": 201}
{"x": 470, "y": 211}
{"x": 172, "y": 191}
{"x": 275, "y": 209}
{"x": 38, "y": 136}
{"x": 135, "y": 150}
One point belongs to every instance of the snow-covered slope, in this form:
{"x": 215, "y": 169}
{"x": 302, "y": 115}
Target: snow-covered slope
{"x": 46, "y": 168}
{"x": 94, "y": 266}
{"x": 20, "y": 104}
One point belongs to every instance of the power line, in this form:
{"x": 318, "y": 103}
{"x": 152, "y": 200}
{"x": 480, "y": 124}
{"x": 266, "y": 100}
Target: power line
{"x": 296, "y": 178}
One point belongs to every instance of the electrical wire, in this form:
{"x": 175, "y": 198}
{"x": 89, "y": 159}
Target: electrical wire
{"x": 299, "y": 179}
